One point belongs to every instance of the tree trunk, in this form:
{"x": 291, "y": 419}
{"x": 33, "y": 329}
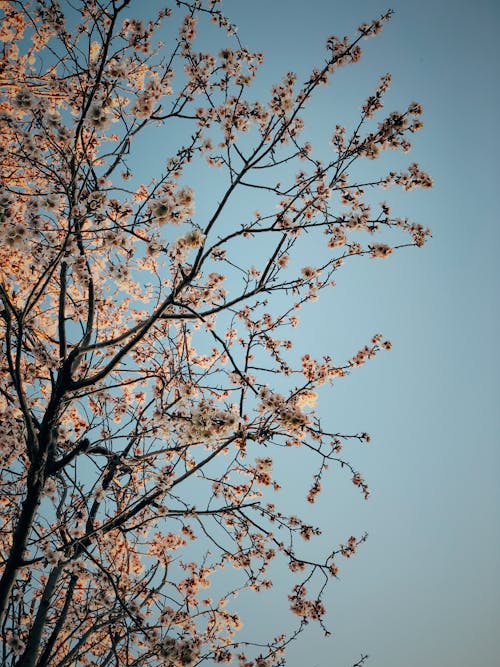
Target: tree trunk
{"x": 28, "y": 659}
{"x": 36, "y": 480}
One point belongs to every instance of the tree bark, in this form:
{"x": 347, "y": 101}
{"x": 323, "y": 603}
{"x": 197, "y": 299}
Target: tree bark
{"x": 36, "y": 480}
{"x": 28, "y": 659}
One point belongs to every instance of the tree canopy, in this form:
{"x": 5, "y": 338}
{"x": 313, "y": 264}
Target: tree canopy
{"x": 148, "y": 376}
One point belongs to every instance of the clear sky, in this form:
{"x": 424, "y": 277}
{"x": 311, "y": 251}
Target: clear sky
{"x": 424, "y": 590}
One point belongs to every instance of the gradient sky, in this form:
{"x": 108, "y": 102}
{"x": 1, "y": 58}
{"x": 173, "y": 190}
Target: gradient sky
{"x": 424, "y": 589}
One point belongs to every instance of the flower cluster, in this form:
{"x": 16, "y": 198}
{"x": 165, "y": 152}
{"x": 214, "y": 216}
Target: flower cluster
{"x": 380, "y": 250}
{"x": 178, "y": 653}
{"x": 306, "y": 609}
{"x": 206, "y": 423}
{"x": 288, "y": 413}
{"x": 349, "y": 549}
{"x": 172, "y": 206}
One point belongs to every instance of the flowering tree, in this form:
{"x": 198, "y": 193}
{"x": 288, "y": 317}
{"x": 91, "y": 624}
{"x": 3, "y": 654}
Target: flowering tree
{"x": 147, "y": 377}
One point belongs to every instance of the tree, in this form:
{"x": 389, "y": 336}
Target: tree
{"x": 147, "y": 378}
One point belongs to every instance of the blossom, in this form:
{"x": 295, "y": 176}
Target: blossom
{"x": 51, "y": 201}
{"x": 415, "y": 109}
{"x": 282, "y": 261}
{"x": 24, "y": 99}
{"x": 381, "y": 250}
{"x": 309, "y": 272}
{"x": 98, "y": 117}
{"x": 188, "y": 29}
{"x": 163, "y": 210}
{"x": 337, "y": 240}
{"x": 349, "y": 549}
{"x": 144, "y": 106}
{"x": 99, "y": 494}
{"x": 333, "y": 568}
{"x": 306, "y": 397}
{"x": 264, "y": 465}
{"x": 52, "y": 118}
{"x": 194, "y": 239}
{"x": 17, "y": 235}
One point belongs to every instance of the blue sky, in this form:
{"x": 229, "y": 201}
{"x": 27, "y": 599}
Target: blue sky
{"x": 424, "y": 589}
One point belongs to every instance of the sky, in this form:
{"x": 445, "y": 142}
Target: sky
{"x": 424, "y": 589}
